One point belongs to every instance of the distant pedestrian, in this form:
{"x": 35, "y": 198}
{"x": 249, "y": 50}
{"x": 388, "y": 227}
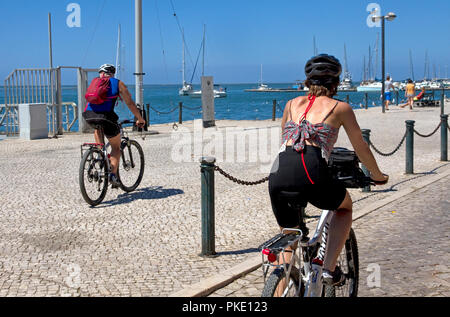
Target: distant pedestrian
{"x": 410, "y": 92}
{"x": 388, "y": 87}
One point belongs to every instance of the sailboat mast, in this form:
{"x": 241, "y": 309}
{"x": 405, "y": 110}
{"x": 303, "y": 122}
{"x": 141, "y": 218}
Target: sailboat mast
{"x": 411, "y": 67}
{"x": 183, "y": 70}
{"x": 118, "y": 64}
{"x": 203, "y": 60}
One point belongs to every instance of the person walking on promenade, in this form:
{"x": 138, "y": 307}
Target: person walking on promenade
{"x": 388, "y": 88}
{"x": 410, "y": 92}
{"x": 103, "y": 115}
{"x": 310, "y": 128}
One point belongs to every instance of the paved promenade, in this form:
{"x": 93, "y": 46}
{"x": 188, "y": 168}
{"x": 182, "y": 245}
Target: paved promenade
{"x": 147, "y": 243}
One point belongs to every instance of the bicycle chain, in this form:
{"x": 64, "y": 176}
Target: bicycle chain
{"x": 390, "y": 153}
{"x": 239, "y": 181}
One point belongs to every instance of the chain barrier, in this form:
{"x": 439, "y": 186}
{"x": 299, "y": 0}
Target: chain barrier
{"x": 428, "y": 135}
{"x": 192, "y": 109}
{"x": 164, "y": 112}
{"x": 238, "y": 181}
{"x": 390, "y": 153}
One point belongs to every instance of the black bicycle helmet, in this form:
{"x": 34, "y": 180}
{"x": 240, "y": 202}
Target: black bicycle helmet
{"x": 107, "y": 68}
{"x": 323, "y": 65}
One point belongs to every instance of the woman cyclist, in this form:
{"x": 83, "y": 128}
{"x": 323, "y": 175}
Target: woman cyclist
{"x": 310, "y": 128}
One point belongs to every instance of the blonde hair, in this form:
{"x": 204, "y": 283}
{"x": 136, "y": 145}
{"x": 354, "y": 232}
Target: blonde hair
{"x": 318, "y": 91}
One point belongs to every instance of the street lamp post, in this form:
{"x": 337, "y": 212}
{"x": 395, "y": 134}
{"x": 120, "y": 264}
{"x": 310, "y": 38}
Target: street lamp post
{"x": 390, "y": 16}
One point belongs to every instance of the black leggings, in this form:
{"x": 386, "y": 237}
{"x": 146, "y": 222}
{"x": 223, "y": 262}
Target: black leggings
{"x": 288, "y": 175}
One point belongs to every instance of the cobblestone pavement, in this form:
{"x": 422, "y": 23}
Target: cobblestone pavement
{"x": 147, "y": 243}
{"x": 408, "y": 240}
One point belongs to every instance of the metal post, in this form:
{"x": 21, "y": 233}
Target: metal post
{"x": 396, "y": 97}
{"x": 382, "y": 67}
{"x": 148, "y": 115}
{"x": 180, "y": 113}
{"x": 50, "y": 49}
{"x": 348, "y": 99}
{"x": 409, "y": 164}
{"x": 59, "y": 102}
{"x": 208, "y": 213}
{"x": 139, "y": 56}
{"x": 367, "y": 99}
{"x": 274, "y": 110}
{"x": 442, "y": 101}
{"x": 366, "y": 137}
{"x": 444, "y": 137}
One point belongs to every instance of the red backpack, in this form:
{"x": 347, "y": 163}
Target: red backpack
{"x": 97, "y": 93}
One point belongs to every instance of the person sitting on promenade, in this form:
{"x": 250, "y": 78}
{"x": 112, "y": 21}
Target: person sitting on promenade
{"x": 103, "y": 115}
{"x": 310, "y": 128}
{"x": 416, "y": 98}
{"x": 410, "y": 91}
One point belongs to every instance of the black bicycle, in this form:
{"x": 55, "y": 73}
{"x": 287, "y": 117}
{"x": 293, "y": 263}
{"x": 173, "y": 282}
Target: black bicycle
{"x": 95, "y": 167}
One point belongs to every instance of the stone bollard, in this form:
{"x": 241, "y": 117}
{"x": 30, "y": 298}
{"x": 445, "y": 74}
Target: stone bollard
{"x": 444, "y": 137}
{"x": 207, "y": 165}
{"x": 366, "y": 137}
{"x": 409, "y": 164}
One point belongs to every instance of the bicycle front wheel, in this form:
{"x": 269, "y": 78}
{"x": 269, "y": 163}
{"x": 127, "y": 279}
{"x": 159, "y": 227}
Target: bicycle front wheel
{"x": 93, "y": 177}
{"x": 131, "y": 167}
{"x": 349, "y": 263}
{"x": 277, "y": 284}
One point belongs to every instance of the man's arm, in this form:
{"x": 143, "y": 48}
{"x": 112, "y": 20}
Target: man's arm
{"x": 126, "y": 96}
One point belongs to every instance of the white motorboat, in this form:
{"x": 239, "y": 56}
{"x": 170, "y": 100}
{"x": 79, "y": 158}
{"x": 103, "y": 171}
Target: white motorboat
{"x": 369, "y": 86}
{"x": 219, "y": 92}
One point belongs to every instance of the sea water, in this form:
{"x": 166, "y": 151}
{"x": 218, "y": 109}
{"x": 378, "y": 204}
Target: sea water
{"x": 238, "y": 105}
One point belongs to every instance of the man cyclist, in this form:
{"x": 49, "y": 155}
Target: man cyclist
{"x": 103, "y": 116}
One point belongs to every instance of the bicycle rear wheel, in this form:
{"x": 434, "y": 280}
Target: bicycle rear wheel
{"x": 93, "y": 177}
{"x": 277, "y": 286}
{"x": 131, "y": 166}
{"x": 349, "y": 263}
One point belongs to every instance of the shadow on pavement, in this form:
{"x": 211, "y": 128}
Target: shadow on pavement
{"x": 155, "y": 192}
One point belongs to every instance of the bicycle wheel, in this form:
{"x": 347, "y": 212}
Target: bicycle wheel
{"x": 93, "y": 177}
{"x": 349, "y": 263}
{"x": 131, "y": 166}
{"x": 277, "y": 278}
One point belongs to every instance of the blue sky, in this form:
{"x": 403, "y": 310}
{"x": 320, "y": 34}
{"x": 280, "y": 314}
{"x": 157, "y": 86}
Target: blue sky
{"x": 241, "y": 35}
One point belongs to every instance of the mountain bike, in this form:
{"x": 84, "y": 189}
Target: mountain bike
{"x": 95, "y": 167}
{"x": 301, "y": 276}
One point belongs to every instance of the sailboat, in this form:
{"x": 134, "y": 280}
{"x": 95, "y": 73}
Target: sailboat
{"x": 186, "y": 89}
{"x": 346, "y": 83}
{"x": 369, "y": 83}
{"x": 219, "y": 92}
{"x": 263, "y": 87}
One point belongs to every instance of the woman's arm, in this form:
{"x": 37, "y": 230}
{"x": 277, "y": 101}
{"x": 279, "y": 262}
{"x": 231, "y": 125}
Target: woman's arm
{"x": 286, "y": 115}
{"x": 362, "y": 149}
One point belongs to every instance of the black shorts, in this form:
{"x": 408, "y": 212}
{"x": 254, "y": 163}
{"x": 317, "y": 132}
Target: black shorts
{"x": 106, "y": 120}
{"x": 288, "y": 174}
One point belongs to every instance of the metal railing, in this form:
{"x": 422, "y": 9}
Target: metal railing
{"x": 32, "y": 86}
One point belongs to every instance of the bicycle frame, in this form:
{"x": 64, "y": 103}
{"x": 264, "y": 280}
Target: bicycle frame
{"x": 104, "y": 147}
{"x": 307, "y": 251}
